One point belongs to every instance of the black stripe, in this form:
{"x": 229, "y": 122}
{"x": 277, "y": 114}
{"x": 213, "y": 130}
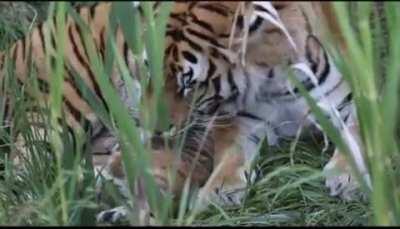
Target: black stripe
{"x": 217, "y": 54}
{"x": 191, "y": 148}
{"x": 140, "y": 9}
{"x": 231, "y": 81}
{"x": 211, "y": 68}
{"x": 6, "y": 110}
{"x": 43, "y": 86}
{"x": 202, "y": 85}
{"x": 173, "y": 69}
{"x": 168, "y": 50}
{"x": 239, "y": 22}
{"x": 202, "y": 24}
{"x": 178, "y": 17}
{"x": 271, "y": 73}
{"x": 93, "y": 10}
{"x": 254, "y": 138}
{"x": 249, "y": 115}
{"x": 279, "y": 7}
{"x": 86, "y": 66}
{"x": 204, "y": 37}
{"x": 23, "y": 48}
{"x": 193, "y": 45}
{"x": 324, "y": 75}
{"x": 176, "y": 34}
{"x": 2, "y": 58}
{"x": 346, "y": 101}
{"x": 15, "y": 52}
{"x": 71, "y": 80}
{"x": 260, "y": 8}
{"x": 175, "y": 53}
{"x": 217, "y": 84}
{"x": 79, "y": 31}
{"x": 335, "y": 87}
{"x": 126, "y": 49}
{"x": 41, "y": 36}
{"x": 189, "y": 57}
{"x": 76, "y": 114}
{"x": 74, "y": 142}
{"x": 79, "y": 9}
{"x": 347, "y": 116}
{"x": 102, "y": 43}
{"x": 233, "y": 87}
{"x": 256, "y": 24}
{"x": 309, "y": 85}
{"x": 102, "y": 130}
{"x": 215, "y": 8}
{"x": 192, "y": 5}
{"x": 156, "y": 5}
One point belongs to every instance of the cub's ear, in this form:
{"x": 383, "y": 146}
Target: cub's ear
{"x": 315, "y": 53}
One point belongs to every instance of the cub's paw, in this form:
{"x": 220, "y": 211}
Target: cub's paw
{"x": 113, "y": 215}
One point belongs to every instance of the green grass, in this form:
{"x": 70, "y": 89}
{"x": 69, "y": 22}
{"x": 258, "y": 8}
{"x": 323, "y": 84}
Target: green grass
{"x": 56, "y": 186}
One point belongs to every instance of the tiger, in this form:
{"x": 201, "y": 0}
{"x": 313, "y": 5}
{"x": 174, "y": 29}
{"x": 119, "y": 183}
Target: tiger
{"x": 239, "y": 104}
{"x": 235, "y": 105}
{"x": 79, "y": 114}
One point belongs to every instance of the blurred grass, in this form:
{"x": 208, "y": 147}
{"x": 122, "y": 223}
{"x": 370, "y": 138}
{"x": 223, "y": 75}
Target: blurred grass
{"x": 377, "y": 109}
{"x": 49, "y": 191}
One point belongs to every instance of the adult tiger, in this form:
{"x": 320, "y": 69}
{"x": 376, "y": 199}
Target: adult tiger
{"x": 78, "y": 112}
{"x": 253, "y": 100}
{"x": 238, "y": 105}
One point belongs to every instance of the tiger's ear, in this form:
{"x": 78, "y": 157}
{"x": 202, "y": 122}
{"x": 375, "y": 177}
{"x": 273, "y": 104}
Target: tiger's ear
{"x": 315, "y": 52}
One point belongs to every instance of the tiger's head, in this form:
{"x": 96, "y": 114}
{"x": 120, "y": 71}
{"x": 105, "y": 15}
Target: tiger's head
{"x": 195, "y": 54}
{"x": 199, "y": 51}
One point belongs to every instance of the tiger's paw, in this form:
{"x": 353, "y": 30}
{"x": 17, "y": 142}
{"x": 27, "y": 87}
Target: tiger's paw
{"x": 232, "y": 194}
{"x": 228, "y": 196}
{"x": 112, "y": 216}
{"x": 345, "y": 185}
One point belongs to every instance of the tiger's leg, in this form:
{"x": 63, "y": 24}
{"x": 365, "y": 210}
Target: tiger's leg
{"x": 235, "y": 149}
{"x": 170, "y": 173}
{"x": 339, "y": 178}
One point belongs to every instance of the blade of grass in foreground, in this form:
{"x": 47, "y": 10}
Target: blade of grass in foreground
{"x": 135, "y": 158}
{"x": 376, "y": 110}
{"x": 56, "y": 94}
{"x": 126, "y": 128}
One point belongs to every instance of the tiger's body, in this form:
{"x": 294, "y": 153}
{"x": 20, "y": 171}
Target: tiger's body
{"x": 256, "y": 99}
{"x": 235, "y": 105}
{"x": 78, "y": 112}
